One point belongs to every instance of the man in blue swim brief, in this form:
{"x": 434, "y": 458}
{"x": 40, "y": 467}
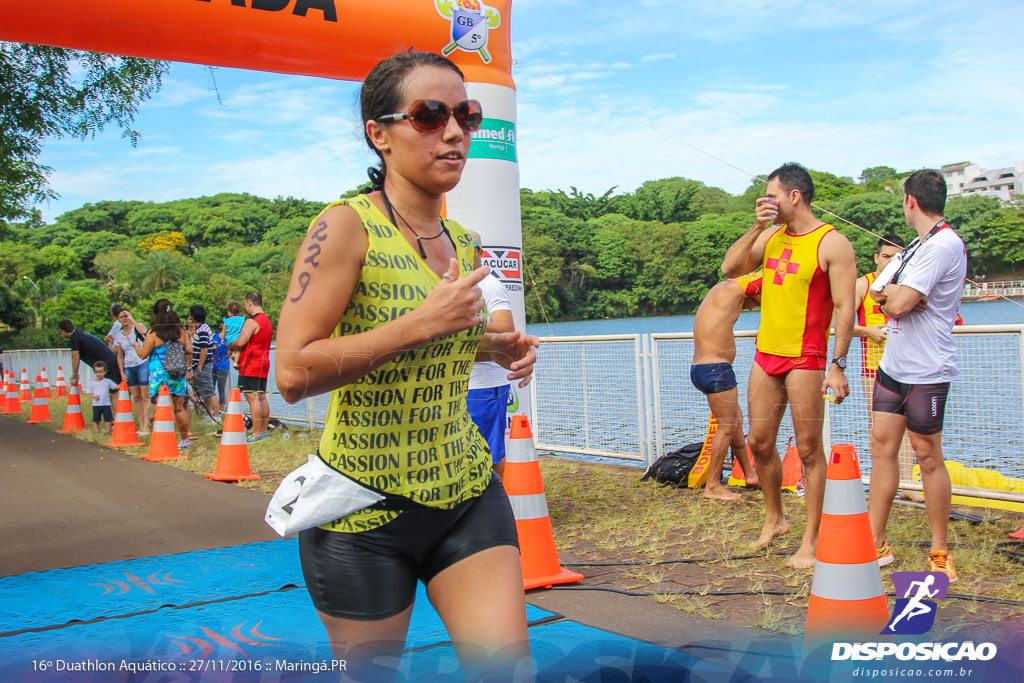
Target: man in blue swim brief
{"x": 714, "y": 350}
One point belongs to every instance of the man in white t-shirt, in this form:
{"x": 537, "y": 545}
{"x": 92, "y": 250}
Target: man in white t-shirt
{"x": 919, "y": 292}
{"x": 488, "y": 383}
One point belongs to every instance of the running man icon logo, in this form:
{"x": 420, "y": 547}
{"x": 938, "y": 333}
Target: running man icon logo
{"x": 914, "y": 613}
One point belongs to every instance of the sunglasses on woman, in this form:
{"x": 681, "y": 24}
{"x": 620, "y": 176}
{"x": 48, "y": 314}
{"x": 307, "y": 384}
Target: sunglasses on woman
{"x": 428, "y": 116}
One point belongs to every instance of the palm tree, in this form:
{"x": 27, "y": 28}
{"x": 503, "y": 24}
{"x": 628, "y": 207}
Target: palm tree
{"x": 159, "y": 269}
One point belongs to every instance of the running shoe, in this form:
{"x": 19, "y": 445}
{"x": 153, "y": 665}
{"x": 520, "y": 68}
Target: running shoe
{"x": 942, "y": 561}
{"x": 253, "y": 438}
{"x": 884, "y": 555}
{"x": 183, "y": 444}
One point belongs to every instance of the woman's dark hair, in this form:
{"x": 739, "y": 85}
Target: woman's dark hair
{"x": 381, "y": 95}
{"x": 198, "y": 313}
{"x": 166, "y": 324}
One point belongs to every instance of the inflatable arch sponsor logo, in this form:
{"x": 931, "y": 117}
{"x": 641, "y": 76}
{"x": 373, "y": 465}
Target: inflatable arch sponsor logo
{"x": 300, "y": 7}
{"x": 506, "y": 263}
{"x": 472, "y": 22}
{"x": 496, "y": 139}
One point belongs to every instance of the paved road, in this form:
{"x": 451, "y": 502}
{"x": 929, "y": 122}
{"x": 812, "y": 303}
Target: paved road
{"x": 67, "y": 503}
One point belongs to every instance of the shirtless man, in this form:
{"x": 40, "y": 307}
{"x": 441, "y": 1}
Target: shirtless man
{"x": 809, "y": 271}
{"x": 873, "y": 328}
{"x": 714, "y": 350}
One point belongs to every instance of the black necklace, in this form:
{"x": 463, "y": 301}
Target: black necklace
{"x": 419, "y": 238}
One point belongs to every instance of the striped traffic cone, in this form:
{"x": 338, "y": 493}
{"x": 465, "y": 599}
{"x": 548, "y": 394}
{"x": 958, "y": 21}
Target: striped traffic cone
{"x": 233, "y": 456}
{"x": 847, "y": 598}
{"x": 538, "y": 556}
{"x": 40, "y": 408}
{"x": 25, "y": 393}
{"x": 163, "y": 444}
{"x": 12, "y": 404}
{"x": 792, "y": 467}
{"x": 46, "y": 382}
{"x": 61, "y": 390}
{"x": 73, "y": 419}
{"x": 124, "y": 433}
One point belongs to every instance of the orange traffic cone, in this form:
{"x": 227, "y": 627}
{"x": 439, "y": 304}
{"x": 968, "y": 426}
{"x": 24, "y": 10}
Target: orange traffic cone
{"x": 40, "y": 408}
{"x": 12, "y": 404}
{"x": 26, "y": 389}
{"x": 163, "y": 444}
{"x": 792, "y": 467}
{"x": 233, "y": 456}
{"x": 538, "y": 556}
{"x": 124, "y": 433}
{"x": 73, "y": 419}
{"x": 46, "y": 382}
{"x": 1019, "y": 533}
{"x": 62, "y": 384}
{"x": 847, "y": 598}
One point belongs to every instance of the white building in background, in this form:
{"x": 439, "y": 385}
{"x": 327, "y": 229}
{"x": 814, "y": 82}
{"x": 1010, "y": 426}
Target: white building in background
{"x": 966, "y": 178}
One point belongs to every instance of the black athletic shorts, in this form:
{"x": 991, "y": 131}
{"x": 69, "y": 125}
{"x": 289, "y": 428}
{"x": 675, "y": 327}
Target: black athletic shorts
{"x": 252, "y": 385}
{"x": 924, "y": 405}
{"x": 371, "y": 575}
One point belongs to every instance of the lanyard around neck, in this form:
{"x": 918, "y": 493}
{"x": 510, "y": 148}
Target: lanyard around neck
{"x": 912, "y": 249}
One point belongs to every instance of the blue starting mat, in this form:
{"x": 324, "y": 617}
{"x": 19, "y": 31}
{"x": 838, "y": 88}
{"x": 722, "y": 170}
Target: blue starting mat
{"x": 119, "y": 588}
{"x": 242, "y": 614}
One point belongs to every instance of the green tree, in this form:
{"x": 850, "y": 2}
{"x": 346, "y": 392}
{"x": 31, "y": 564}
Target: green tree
{"x": 876, "y": 173}
{"x": 88, "y": 309}
{"x": 55, "y": 92}
{"x": 13, "y": 312}
{"x": 160, "y": 269}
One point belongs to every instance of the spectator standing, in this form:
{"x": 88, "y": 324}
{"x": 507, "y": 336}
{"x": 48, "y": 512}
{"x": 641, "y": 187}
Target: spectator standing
{"x": 115, "y": 328}
{"x": 88, "y": 349}
{"x": 254, "y": 363}
{"x": 221, "y": 368}
{"x": 232, "y": 327}
{"x": 135, "y": 370}
{"x": 487, "y": 398}
{"x": 200, "y": 373}
{"x": 166, "y": 327}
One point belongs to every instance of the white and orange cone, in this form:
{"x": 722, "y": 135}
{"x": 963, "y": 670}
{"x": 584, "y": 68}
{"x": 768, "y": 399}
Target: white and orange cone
{"x": 163, "y": 445}
{"x": 40, "y": 408}
{"x": 25, "y": 392}
{"x": 124, "y": 433}
{"x": 12, "y": 404}
{"x": 847, "y": 599}
{"x": 61, "y": 389}
{"x": 46, "y": 382}
{"x": 74, "y": 421}
{"x": 538, "y": 556}
{"x": 233, "y": 456}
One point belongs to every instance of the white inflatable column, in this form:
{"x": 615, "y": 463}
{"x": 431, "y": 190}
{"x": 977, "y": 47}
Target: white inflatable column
{"x": 487, "y": 200}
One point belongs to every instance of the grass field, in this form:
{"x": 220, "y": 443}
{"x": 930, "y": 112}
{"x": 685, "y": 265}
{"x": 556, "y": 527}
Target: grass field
{"x": 605, "y": 514}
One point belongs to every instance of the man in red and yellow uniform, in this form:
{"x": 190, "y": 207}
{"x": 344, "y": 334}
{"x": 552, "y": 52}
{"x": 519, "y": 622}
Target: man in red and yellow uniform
{"x": 809, "y": 272}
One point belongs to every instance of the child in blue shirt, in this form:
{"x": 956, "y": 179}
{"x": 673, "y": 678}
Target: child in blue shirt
{"x": 232, "y": 327}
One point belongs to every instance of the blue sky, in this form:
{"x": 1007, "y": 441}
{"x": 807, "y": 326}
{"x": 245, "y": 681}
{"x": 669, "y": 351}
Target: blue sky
{"x": 836, "y": 86}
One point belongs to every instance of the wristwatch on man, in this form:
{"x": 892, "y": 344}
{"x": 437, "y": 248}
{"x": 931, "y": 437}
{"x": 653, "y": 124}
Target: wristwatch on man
{"x": 840, "y": 361}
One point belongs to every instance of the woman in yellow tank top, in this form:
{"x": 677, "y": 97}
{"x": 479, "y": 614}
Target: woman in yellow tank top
{"x": 383, "y": 312}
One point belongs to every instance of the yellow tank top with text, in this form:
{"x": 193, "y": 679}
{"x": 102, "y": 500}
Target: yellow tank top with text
{"x": 404, "y": 428}
{"x": 868, "y": 315}
{"x": 796, "y": 296}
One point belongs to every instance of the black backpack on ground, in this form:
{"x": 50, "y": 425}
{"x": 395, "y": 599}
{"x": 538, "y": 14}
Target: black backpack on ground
{"x": 674, "y": 467}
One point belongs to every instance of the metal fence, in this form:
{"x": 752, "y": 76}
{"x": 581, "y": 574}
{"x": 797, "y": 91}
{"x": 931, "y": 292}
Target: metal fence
{"x": 630, "y": 397}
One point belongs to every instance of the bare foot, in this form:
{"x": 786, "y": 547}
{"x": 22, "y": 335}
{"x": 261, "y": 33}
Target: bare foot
{"x": 769, "y": 533}
{"x": 720, "y": 493}
{"x": 803, "y": 559}
{"x": 912, "y": 495}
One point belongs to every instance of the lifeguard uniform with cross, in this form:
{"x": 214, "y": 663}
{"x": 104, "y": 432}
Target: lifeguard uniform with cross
{"x": 809, "y": 272}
